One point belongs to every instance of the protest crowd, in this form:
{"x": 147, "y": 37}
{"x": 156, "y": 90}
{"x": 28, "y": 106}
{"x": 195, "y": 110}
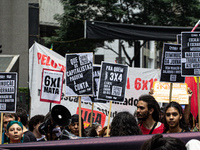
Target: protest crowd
{"x": 146, "y": 120}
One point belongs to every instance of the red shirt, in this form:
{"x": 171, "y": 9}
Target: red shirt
{"x": 159, "y": 129}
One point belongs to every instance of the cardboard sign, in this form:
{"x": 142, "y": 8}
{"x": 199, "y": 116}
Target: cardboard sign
{"x": 171, "y": 64}
{"x": 179, "y": 92}
{"x": 8, "y": 92}
{"x": 79, "y": 80}
{"x": 190, "y": 61}
{"x": 112, "y": 82}
{"x": 51, "y": 87}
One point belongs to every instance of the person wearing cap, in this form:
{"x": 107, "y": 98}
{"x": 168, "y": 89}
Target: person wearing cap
{"x": 14, "y": 132}
{"x": 74, "y": 125}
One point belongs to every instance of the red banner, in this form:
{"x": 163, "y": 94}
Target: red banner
{"x": 192, "y": 84}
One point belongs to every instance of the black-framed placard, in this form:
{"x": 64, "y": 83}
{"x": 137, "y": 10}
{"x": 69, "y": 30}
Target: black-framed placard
{"x": 79, "y": 79}
{"x": 171, "y": 64}
{"x": 190, "y": 60}
{"x": 8, "y": 92}
{"x": 112, "y": 84}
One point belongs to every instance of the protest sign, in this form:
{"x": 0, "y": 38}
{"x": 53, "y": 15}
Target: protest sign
{"x": 96, "y": 75}
{"x": 179, "y": 92}
{"x": 190, "y": 61}
{"x": 79, "y": 80}
{"x": 51, "y": 87}
{"x": 171, "y": 64}
{"x": 112, "y": 82}
{"x": 140, "y": 82}
{"x": 8, "y": 92}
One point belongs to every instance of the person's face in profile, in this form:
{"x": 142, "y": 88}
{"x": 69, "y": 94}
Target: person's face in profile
{"x": 142, "y": 110}
{"x": 15, "y": 133}
{"x": 74, "y": 128}
{"x": 98, "y": 130}
{"x": 172, "y": 117}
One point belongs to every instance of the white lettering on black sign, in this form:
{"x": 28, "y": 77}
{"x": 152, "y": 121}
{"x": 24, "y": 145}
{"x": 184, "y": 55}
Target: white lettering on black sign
{"x": 190, "y": 53}
{"x": 112, "y": 82}
{"x": 8, "y": 92}
{"x": 171, "y": 63}
{"x": 79, "y": 79}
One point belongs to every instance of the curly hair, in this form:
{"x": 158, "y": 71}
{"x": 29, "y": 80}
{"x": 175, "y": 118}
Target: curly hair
{"x": 151, "y": 103}
{"x": 182, "y": 123}
{"x": 158, "y": 142}
{"x": 35, "y": 120}
{"x": 124, "y": 124}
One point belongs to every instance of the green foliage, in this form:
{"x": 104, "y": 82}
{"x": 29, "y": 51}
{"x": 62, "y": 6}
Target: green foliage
{"x": 23, "y": 90}
{"x": 146, "y": 12}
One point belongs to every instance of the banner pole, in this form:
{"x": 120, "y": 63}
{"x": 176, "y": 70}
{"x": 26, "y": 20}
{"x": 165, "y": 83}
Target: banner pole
{"x": 170, "y": 92}
{"x": 91, "y": 115}
{"x": 198, "y": 100}
{"x": 109, "y": 119}
{"x": 80, "y": 123}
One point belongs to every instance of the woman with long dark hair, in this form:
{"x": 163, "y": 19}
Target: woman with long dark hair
{"x": 174, "y": 119}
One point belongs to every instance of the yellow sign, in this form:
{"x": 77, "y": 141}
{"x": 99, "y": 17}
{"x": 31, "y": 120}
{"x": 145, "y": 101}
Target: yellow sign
{"x": 179, "y": 92}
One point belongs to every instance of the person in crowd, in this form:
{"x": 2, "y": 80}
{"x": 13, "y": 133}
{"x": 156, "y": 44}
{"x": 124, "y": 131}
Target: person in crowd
{"x": 103, "y": 132}
{"x": 174, "y": 119}
{"x": 14, "y": 132}
{"x": 187, "y": 107}
{"x": 23, "y": 118}
{"x": 158, "y": 142}
{"x": 94, "y": 130}
{"x": 91, "y": 132}
{"x": 34, "y": 123}
{"x": 74, "y": 126}
{"x": 7, "y": 117}
{"x": 124, "y": 124}
{"x": 148, "y": 112}
{"x": 97, "y": 127}
{"x": 51, "y": 129}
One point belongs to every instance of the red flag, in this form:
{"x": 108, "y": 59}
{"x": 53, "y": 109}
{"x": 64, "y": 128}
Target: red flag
{"x": 192, "y": 84}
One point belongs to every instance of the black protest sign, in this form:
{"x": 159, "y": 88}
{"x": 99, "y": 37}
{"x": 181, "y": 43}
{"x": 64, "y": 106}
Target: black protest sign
{"x": 171, "y": 64}
{"x": 178, "y": 38}
{"x": 112, "y": 84}
{"x": 79, "y": 80}
{"x": 190, "y": 60}
{"x": 8, "y": 92}
{"x": 51, "y": 87}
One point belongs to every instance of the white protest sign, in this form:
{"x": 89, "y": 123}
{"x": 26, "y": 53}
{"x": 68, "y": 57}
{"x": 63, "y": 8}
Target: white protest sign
{"x": 52, "y": 83}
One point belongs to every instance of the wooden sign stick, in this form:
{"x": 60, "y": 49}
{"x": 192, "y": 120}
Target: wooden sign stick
{"x": 170, "y": 92}
{"x": 107, "y": 134}
{"x": 91, "y": 115}
{"x": 79, "y": 115}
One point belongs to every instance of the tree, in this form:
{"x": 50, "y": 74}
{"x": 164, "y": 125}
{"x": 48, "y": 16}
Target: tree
{"x": 146, "y": 12}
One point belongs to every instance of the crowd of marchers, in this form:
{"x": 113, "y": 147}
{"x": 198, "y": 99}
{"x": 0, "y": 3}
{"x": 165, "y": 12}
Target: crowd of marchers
{"x": 149, "y": 118}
